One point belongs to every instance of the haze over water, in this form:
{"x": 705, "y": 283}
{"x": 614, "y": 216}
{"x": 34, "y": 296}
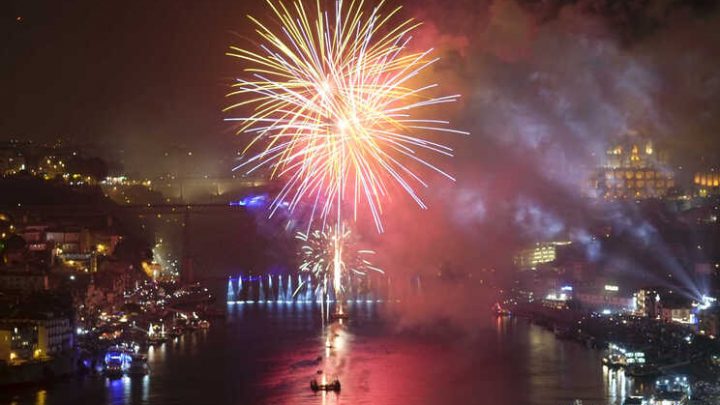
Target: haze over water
{"x": 267, "y": 354}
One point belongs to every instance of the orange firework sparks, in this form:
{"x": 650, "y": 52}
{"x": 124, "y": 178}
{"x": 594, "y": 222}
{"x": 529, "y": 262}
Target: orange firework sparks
{"x": 334, "y": 113}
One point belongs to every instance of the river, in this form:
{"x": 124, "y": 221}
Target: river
{"x": 268, "y": 353}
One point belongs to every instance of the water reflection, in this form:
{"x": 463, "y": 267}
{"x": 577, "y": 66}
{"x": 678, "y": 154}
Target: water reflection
{"x": 41, "y": 397}
{"x": 117, "y": 389}
{"x": 269, "y": 353}
{"x": 128, "y": 390}
{"x": 617, "y": 385}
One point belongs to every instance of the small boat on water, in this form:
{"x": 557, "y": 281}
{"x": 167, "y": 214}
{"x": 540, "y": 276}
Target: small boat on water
{"x": 138, "y": 365}
{"x": 671, "y": 397}
{"x": 333, "y": 385}
{"x": 635, "y": 400}
{"x": 498, "y": 310}
{"x": 339, "y": 315}
{"x": 200, "y": 324}
{"x": 175, "y": 332}
{"x": 156, "y": 340}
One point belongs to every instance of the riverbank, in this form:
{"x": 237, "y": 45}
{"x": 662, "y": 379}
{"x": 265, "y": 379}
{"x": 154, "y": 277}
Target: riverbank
{"x": 649, "y": 351}
{"x": 40, "y": 371}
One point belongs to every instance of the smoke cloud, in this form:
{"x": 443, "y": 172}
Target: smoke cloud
{"x": 547, "y": 87}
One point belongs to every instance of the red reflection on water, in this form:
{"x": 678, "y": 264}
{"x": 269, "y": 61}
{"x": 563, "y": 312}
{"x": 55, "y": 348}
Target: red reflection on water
{"x": 386, "y": 369}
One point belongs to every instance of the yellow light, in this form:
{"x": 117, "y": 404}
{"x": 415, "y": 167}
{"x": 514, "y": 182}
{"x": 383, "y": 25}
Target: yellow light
{"x": 13, "y": 356}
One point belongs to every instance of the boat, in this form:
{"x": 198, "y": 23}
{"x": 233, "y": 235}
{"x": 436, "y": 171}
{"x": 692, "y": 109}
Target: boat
{"x": 138, "y": 365}
{"x": 613, "y": 361}
{"x": 175, "y": 332}
{"x": 671, "y": 398}
{"x": 196, "y": 324}
{"x": 339, "y": 315}
{"x": 498, "y": 310}
{"x": 156, "y": 338}
{"x": 635, "y": 400}
{"x": 333, "y": 385}
{"x": 117, "y": 361}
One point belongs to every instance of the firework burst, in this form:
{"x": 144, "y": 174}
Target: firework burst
{"x": 333, "y": 108}
{"x": 331, "y": 258}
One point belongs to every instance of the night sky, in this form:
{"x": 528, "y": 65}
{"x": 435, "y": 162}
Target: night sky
{"x": 546, "y": 85}
{"x": 142, "y": 76}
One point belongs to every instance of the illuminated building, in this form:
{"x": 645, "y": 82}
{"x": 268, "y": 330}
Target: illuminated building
{"x": 557, "y": 300}
{"x": 633, "y": 169}
{"x": 541, "y": 253}
{"x": 675, "y": 308}
{"x": 664, "y": 304}
{"x": 75, "y": 247}
{"x": 647, "y": 302}
{"x": 707, "y": 183}
{"x": 18, "y": 342}
{"x": 623, "y": 356}
{"x": 26, "y": 339}
{"x": 606, "y": 299}
{"x": 678, "y": 313}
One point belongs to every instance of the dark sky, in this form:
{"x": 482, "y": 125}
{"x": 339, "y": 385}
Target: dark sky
{"x": 141, "y": 76}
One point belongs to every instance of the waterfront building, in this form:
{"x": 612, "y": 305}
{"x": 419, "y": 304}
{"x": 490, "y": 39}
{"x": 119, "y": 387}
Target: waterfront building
{"x": 607, "y": 298}
{"x": 676, "y": 309}
{"x": 18, "y": 342}
{"x": 35, "y": 337}
{"x": 666, "y": 305}
{"x": 647, "y": 302}
{"x": 542, "y": 253}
